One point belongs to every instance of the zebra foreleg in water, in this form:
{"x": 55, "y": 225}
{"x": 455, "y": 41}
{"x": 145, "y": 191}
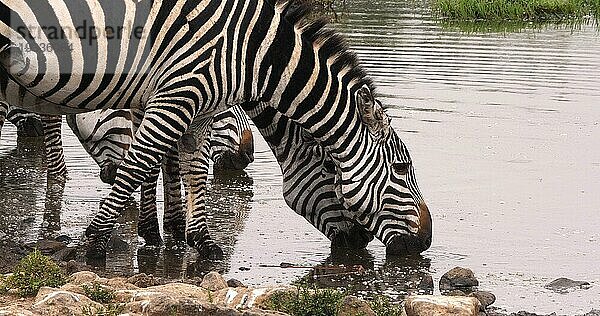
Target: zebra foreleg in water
{"x": 3, "y": 112}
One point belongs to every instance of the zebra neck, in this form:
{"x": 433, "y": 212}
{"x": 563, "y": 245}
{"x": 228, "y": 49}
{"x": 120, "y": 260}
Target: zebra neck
{"x": 312, "y": 79}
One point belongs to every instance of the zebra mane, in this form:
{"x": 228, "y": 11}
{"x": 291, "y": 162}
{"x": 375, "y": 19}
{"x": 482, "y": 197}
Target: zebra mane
{"x": 300, "y": 14}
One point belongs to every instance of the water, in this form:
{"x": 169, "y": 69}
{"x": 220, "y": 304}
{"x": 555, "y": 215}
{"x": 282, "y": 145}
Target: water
{"x": 504, "y": 132}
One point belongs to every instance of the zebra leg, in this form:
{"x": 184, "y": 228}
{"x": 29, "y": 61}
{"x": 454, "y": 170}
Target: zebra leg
{"x": 194, "y": 149}
{"x": 154, "y": 137}
{"x": 174, "y": 220}
{"x": 55, "y": 158}
{"x": 148, "y": 218}
{"x": 3, "y": 112}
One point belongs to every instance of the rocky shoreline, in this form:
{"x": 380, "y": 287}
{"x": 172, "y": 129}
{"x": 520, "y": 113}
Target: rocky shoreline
{"x": 85, "y": 293}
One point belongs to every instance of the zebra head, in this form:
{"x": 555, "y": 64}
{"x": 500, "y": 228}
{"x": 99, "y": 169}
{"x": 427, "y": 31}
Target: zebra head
{"x": 232, "y": 144}
{"x": 378, "y": 186}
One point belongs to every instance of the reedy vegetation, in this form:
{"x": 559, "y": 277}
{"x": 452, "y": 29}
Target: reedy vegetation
{"x": 518, "y": 10}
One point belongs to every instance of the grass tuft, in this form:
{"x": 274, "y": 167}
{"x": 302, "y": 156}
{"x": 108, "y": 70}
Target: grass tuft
{"x": 33, "y": 272}
{"x": 306, "y": 302}
{"x": 517, "y": 10}
{"x": 97, "y": 292}
{"x": 382, "y": 306}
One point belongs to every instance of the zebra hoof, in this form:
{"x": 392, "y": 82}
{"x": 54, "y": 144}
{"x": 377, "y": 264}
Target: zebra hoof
{"x": 210, "y": 251}
{"x": 401, "y": 245}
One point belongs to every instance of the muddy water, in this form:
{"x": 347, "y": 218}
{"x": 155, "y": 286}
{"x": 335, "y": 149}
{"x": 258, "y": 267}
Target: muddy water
{"x": 504, "y": 129}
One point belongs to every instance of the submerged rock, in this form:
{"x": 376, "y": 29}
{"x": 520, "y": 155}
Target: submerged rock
{"x": 458, "y": 279}
{"x": 235, "y": 283}
{"x": 432, "y": 305}
{"x": 49, "y": 247}
{"x": 564, "y": 285}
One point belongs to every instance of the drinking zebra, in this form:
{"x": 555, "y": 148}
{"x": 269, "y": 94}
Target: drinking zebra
{"x": 180, "y": 62}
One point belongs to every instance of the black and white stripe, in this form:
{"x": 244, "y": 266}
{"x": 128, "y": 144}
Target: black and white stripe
{"x": 33, "y": 125}
{"x": 196, "y": 59}
{"x": 107, "y": 134}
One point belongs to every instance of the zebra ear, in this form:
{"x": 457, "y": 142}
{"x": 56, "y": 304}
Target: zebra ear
{"x": 371, "y": 111}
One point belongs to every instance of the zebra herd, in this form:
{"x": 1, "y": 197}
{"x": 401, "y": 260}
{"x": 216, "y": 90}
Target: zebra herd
{"x": 172, "y": 67}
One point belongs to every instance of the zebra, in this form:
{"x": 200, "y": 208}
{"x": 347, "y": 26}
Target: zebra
{"x": 178, "y": 63}
{"x": 107, "y": 134}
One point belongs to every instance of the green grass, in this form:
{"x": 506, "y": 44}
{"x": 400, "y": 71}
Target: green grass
{"x": 97, "y": 292}
{"x": 312, "y": 301}
{"x": 33, "y": 272}
{"x": 306, "y": 302}
{"x": 382, "y": 306}
{"x": 517, "y": 10}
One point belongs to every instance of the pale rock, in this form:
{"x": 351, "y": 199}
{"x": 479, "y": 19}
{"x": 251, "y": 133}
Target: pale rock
{"x": 213, "y": 281}
{"x": 56, "y": 302}
{"x": 82, "y": 277}
{"x": 13, "y": 310}
{"x": 432, "y": 305}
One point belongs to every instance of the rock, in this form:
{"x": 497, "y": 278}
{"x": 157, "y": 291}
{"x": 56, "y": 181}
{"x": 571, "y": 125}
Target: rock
{"x": 235, "y": 283}
{"x": 593, "y": 312}
{"x": 73, "y": 266}
{"x": 454, "y": 293}
{"x": 426, "y": 284}
{"x": 213, "y": 281}
{"x": 249, "y": 297}
{"x": 64, "y": 239}
{"x": 116, "y": 284}
{"x": 352, "y": 306}
{"x": 141, "y": 280}
{"x": 564, "y": 285}
{"x": 65, "y": 254}
{"x": 458, "y": 278}
{"x": 15, "y": 311}
{"x": 432, "y": 305}
{"x": 53, "y": 302}
{"x": 49, "y": 247}
{"x": 150, "y": 303}
{"x": 82, "y": 277}
{"x": 485, "y": 298}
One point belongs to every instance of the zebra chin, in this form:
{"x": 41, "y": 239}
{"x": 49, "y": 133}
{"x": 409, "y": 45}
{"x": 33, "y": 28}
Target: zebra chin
{"x": 412, "y": 243}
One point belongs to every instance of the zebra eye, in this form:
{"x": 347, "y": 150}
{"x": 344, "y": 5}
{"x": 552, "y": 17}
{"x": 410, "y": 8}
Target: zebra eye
{"x": 401, "y": 168}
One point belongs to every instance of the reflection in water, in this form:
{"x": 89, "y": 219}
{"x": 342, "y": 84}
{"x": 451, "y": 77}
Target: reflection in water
{"x": 396, "y": 278}
{"x": 227, "y": 207}
{"x": 21, "y": 175}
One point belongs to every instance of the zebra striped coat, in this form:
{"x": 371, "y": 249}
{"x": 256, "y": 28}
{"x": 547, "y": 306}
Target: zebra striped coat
{"x": 180, "y": 62}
